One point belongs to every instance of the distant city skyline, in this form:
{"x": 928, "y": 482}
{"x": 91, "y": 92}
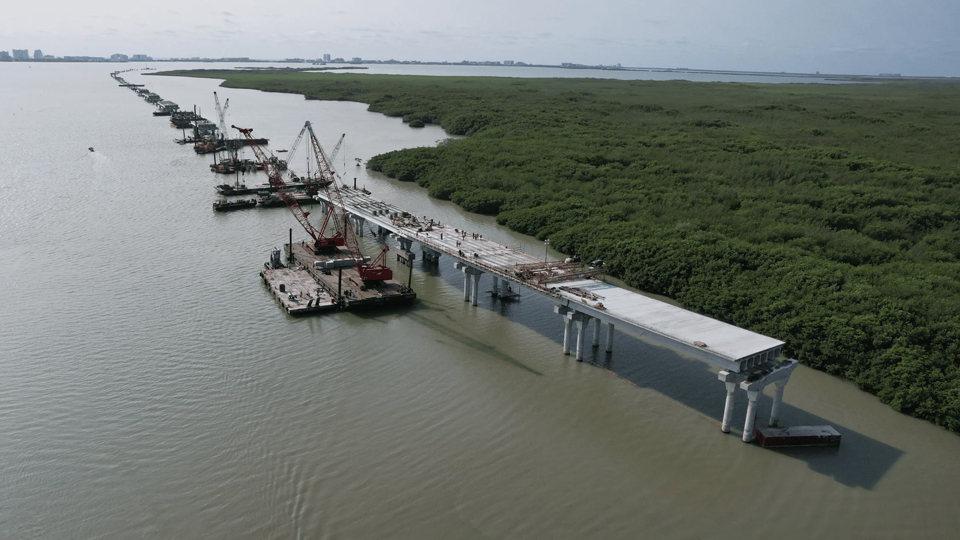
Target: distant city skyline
{"x": 855, "y": 36}
{"x": 22, "y": 55}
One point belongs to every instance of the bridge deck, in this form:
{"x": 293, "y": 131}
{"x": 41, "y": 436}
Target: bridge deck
{"x": 715, "y": 341}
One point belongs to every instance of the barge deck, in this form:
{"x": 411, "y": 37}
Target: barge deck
{"x": 778, "y": 437}
{"x": 353, "y": 292}
{"x": 297, "y": 291}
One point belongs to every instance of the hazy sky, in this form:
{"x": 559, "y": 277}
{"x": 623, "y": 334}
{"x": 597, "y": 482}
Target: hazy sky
{"x": 917, "y": 37}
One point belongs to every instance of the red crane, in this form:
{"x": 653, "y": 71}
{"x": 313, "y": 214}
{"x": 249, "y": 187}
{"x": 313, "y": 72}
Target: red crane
{"x": 376, "y": 270}
{"x": 320, "y": 240}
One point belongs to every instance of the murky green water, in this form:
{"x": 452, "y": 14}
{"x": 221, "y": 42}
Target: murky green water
{"x": 150, "y": 387}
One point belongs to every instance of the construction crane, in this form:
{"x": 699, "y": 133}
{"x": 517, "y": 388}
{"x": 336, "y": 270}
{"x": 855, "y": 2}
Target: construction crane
{"x": 296, "y": 145}
{"x": 221, "y": 114}
{"x": 376, "y": 270}
{"x": 320, "y": 240}
{"x": 230, "y": 146}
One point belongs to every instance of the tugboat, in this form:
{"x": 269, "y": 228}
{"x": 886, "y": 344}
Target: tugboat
{"x": 223, "y": 205}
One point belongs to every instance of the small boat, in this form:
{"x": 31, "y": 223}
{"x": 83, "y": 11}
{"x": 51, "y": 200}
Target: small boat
{"x": 91, "y": 149}
{"x": 224, "y": 205}
{"x": 281, "y": 150}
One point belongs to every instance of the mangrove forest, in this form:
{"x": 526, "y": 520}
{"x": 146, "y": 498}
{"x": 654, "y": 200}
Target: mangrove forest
{"x": 825, "y": 215}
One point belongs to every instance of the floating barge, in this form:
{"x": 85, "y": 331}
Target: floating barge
{"x": 273, "y": 200}
{"x": 224, "y": 205}
{"x": 779, "y": 437}
{"x": 343, "y": 285}
{"x": 297, "y": 291}
{"x": 294, "y": 186}
{"x": 234, "y": 165}
{"x": 167, "y": 108}
{"x": 219, "y": 145}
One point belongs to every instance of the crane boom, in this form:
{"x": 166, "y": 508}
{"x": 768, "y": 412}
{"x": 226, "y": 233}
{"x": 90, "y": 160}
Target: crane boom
{"x": 283, "y": 191}
{"x": 221, "y": 114}
{"x": 336, "y": 149}
{"x": 295, "y": 145}
{"x": 374, "y": 271}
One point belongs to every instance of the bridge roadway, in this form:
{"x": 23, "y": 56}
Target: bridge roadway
{"x": 746, "y": 359}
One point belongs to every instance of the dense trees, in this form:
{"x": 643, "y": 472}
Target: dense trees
{"x": 824, "y": 215}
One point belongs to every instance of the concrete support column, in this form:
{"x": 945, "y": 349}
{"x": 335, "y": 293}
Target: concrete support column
{"x": 430, "y": 255}
{"x": 476, "y": 287}
{"x": 566, "y": 335}
{"x": 466, "y": 285}
{"x": 609, "y": 337}
{"x": 748, "y": 425}
{"x": 581, "y": 337}
{"x": 496, "y": 286}
{"x": 596, "y": 333}
{"x": 404, "y": 254}
{"x": 777, "y": 401}
{"x": 728, "y": 407}
{"x": 360, "y": 222}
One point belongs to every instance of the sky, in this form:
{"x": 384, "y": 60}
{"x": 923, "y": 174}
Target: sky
{"x": 916, "y": 37}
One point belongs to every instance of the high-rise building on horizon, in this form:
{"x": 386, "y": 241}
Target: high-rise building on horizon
{"x": 326, "y": 57}
{"x": 38, "y": 54}
{"x": 21, "y": 54}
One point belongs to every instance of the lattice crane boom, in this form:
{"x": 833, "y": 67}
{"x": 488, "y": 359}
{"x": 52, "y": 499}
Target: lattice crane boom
{"x": 221, "y": 114}
{"x": 376, "y": 270}
{"x": 275, "y": 176}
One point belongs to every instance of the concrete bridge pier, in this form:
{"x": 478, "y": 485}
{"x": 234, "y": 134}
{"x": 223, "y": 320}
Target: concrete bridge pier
{"x": 581, "y": 320}
{"x": 573, "y": 317}
{"x": 567, "y": 323}
{"x": 476, "y": 286}
{"x": 748, "y": 425}
{"x": 495, "y": 291}
{"x": 596, "y": 333}
{"x": 430, "y": 255}
{"x": 777, "y": 402}
{"x": 731, "y": 380}
{"x": 728, "y": 407}
{"x": 753, "y": 381}
{"x": 610, "y": 337}
{"x": 471, "y": 282}
{"x": 405, "y": 254}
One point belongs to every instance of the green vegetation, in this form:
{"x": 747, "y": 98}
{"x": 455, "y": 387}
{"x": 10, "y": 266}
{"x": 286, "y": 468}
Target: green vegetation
{"x": 824, "y": 215}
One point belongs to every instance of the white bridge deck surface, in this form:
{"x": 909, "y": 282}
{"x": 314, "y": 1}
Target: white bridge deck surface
{"x": 726, "y": 345}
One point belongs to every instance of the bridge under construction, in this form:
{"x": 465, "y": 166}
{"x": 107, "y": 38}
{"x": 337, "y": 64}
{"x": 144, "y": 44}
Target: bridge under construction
{"x": 746, "y": 359}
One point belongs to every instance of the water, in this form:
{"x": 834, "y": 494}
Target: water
{"x": 556, "y": 72}
{"x": 150, "y": 387}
